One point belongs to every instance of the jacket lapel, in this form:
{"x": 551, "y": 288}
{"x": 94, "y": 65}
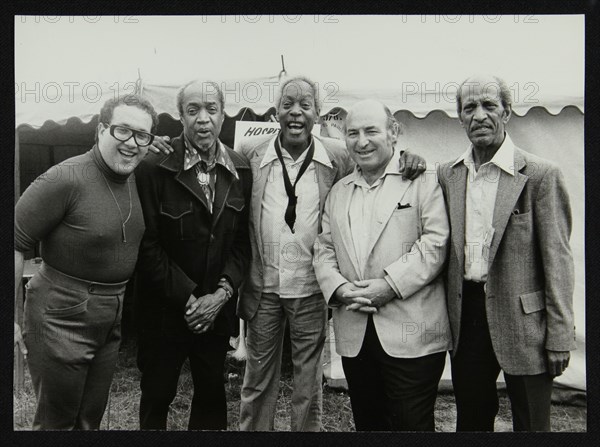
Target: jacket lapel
{"x": 457, "y": 202}
{"x": 325, "y": 179}
{"x": 260, "y": 176}
{"x": 174, "y": 163}
{"x": 509, "y": 190}
{"x": 190, "y": 182}
{"x": 392, "y": 192}
{"x": 341, "y": 214}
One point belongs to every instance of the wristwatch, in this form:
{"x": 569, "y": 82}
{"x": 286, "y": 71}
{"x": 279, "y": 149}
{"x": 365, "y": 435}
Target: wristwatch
{"x": 226, "y": 286}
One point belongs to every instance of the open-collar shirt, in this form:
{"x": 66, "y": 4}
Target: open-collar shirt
{"x": 482, "y": 188}
{"x": 288, "y": 269}
{"x": 364, "y": 203}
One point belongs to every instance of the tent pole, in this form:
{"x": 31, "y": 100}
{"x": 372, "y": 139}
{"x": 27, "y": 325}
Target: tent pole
{"x": 138, "y": 84}
{"x": 282, "y": 72}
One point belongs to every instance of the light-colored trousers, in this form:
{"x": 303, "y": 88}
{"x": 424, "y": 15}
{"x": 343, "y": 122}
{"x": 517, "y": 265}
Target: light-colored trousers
{"x": 307, "y": 319}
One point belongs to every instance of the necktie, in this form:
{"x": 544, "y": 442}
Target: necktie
{"x": 290, "y": 211}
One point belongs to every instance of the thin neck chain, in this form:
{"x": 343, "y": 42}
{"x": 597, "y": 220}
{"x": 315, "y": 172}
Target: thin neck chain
{"x": 123, "y": 222}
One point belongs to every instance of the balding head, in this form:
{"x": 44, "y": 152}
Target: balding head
{"x": 374, "y": 105}
{"x": 200, "y": 105}
{"x": 371, "y": 133}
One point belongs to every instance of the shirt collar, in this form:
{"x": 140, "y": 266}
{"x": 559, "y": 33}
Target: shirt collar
{"x": 320, "y": 154}
{"x": 504, "y": 157}
{"x": 191, "y": 157}
{"x": 392, "y": 168}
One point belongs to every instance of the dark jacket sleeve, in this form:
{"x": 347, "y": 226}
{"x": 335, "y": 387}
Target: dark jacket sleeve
{"x": 154, "y": 264}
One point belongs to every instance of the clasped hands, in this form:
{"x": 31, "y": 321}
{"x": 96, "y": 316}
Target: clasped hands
{"x": 200, "y": 313}
{"x": 365, "y": 296}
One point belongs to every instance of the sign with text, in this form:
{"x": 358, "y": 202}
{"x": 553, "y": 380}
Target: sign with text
{"x": 247, "y": 130}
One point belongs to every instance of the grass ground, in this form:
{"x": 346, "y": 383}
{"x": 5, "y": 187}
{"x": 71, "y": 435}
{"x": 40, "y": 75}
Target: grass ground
{"x": 122, "y": 413}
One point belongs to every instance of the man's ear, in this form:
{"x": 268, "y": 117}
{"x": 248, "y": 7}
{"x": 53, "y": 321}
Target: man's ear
{"x": 100, "y": 128}
{"x": 395, "y": 132}
{"x": 507, "y": 114}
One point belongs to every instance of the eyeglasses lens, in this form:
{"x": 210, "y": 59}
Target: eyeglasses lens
{"x": 124, "y": 133}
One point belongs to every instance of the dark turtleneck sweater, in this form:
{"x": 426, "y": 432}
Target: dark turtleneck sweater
{"x": 71, "y": 211}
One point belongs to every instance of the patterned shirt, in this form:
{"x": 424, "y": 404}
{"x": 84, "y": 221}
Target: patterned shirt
{"x": 205, "y": 171}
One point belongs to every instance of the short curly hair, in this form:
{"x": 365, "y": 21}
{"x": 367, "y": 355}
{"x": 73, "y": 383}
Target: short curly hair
{"x": 504, "y": 93}
{"x": 106, "y": 113}
{"x": 294, "y": 80}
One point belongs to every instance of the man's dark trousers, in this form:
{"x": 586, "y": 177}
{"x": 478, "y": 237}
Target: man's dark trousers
{"x": 392, "y": 394}
{"x": 160, "y": 361}
{"x": 475, "y": 370}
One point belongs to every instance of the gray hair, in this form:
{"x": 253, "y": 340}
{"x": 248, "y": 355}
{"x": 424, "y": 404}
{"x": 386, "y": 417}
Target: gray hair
{"x": 214, "y": 85}
{"x": 505, "y": 95}
{"x": 392, "y": 122}
{"x": 297, "y": 79}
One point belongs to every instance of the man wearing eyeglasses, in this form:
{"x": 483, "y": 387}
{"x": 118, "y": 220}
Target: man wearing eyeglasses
{"x": 193, "y": 257}
{"x": 86, "y": 214}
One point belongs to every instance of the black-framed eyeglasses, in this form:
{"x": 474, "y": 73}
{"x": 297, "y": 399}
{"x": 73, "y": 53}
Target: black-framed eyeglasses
{"x": 124, "y": 133}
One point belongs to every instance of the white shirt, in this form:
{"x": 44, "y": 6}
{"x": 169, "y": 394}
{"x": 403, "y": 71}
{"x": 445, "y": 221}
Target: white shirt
{"x": 482, "y": 188}
{"x": 362, "y": 211}
{"x": 288, "y": 269}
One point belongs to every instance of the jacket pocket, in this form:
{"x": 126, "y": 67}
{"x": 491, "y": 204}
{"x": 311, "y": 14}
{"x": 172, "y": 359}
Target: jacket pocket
{"x": 533, "y": 301}
{"x": 175, "y": 210}
{"x": 178, "y": 219}
{"x": 408, "y": 223}
{"x": 533, "y": 322}
{"x": 520, "y": 218}
{"x": 233, "y": 208}
{"x": 236, "y": 203}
